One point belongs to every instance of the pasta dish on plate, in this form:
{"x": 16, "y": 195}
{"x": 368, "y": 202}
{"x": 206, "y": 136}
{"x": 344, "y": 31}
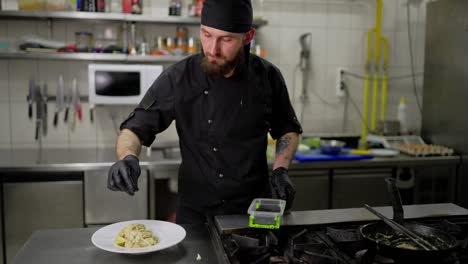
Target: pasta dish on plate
{"x": 135, "y": 236}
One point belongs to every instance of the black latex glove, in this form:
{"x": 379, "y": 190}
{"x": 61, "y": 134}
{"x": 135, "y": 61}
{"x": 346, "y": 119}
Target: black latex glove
{"x": 282, "y": 186}
{"x": 123, "y": 175}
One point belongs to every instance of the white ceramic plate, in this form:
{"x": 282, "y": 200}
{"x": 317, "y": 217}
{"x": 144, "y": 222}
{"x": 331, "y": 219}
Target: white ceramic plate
{"x": 384, "y": 152}
{"x": 168, "y": 234}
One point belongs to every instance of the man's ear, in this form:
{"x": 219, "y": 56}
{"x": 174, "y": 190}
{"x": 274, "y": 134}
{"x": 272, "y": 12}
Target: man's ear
{"x": 249, "y": 36}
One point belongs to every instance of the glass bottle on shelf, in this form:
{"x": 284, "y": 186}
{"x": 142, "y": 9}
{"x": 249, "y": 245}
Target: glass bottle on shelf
{"x": 116, "y": 6}
{"x": 175, "y": 7}
{"x": 137, "y": 7}
{"x": 181, "y": 41}
{"x": 132, "y": 45}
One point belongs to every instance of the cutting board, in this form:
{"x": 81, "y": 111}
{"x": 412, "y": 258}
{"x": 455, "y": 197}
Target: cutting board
{"x": 316, "y": 155}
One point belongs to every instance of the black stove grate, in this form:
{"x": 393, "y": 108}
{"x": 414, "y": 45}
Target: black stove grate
{"x": 338, "y": 244}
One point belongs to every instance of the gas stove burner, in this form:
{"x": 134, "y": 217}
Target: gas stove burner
{"x": 307, "y": 247}
{"x": 337, "y": 243}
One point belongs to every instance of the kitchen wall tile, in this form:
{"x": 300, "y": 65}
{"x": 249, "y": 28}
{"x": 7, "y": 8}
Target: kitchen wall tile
{"x": 49, "y": 71}
{"x": 334, "y": 111}
{"x": 389, "y": 15}
{"x": 318, "y": 84}
{"x": 319, "y": 47}
{"x": 4, "y": 80}
{"x": 415, "y": 11}
{"x": 22, "y": 128}
{"x": 56, "y": 137}
{"x": 5, "y": 128}
{"x": 18, "y": 28}
{"x": 59, "y": 31}
{"x": 43, "y": 29}
{"x": 9, "y": 4}
{"x": 272, "y": 12}
{"x": 292, "y": 13}
{"x": 147, "y": 6}
{"x": 338, "y": 49}
{"x": 78, "y": 70}
{"x": 315, "y": 14}
{"x": 269, "y": 39}
{"x": 313, "y": 117}
{"x": 85, "y": 133}
{"x": 339, "y": 14}
{"x": 355, "y": 85}
{"x": 354, "y": 119}
{"x": 20, "y": 71}
{"x": 159, "y": 8}
{"x": 358, "y": 47}
{"x": 108, "y": 120}
{"x": 402, "y": 54}
{"x": 362, "y": 15}
{"x": 392, "y": 51}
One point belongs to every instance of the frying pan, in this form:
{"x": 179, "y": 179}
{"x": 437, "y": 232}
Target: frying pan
{"x": 391, "y": 244}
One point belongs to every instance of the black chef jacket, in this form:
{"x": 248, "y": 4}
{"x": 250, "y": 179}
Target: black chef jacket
{"x": 222, "y": 125}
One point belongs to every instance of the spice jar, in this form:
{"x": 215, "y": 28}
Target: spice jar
{"x": 83, "y": 41}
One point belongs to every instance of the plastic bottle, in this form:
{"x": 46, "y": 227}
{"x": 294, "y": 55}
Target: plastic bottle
{"x": 402, "y": 116}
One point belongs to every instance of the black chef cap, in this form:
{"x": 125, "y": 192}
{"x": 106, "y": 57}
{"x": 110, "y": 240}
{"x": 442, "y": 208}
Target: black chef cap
{"x": 227, "y": 15}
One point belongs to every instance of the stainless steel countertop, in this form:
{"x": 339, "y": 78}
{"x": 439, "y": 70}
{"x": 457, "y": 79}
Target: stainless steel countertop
{"x": 228, "y": 223}
{"x": 92, "y": 159}
{"x": 72, "y": 159}
{"x": 73, "y": 246}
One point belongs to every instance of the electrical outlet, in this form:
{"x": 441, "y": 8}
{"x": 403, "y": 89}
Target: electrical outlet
{"x": 339, "y": 86}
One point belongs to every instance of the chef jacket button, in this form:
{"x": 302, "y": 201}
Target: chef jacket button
{"x": 220, "y": 175}
{"x": 215, "y": 149}
{"x": 210, "y": 121}
{"x": 205, "y": 92}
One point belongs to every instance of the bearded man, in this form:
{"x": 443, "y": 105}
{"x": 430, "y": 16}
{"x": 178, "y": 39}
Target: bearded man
{"x": 225, "y": 101}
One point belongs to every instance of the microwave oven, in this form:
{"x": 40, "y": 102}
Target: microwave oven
{"x": 120, "y": 84}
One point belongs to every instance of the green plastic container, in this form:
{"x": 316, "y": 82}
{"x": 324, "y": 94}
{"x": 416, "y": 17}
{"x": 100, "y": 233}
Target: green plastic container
{"x": 266, "y": 213}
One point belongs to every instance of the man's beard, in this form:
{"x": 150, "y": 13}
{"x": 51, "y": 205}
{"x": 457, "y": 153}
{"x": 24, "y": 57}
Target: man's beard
{"x": 216, "y": 70}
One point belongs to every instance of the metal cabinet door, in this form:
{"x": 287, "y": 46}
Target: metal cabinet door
{"x": 311, "y": 189}
{"x": 355, "y": 187}
{"x": 434, "y": 184}
{"x": 30, "y": 206}
{"x": 103, "y": 206}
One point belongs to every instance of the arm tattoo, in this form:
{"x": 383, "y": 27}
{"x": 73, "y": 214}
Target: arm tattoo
{"x": 282, "y": 144}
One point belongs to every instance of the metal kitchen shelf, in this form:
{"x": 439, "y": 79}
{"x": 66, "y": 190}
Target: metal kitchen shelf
{"x": 89, "y": 57}
{"x": 13, "y": 14}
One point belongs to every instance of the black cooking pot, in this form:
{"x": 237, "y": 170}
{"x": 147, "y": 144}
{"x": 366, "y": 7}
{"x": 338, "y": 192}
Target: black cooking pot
{"x": 389, "y": 243}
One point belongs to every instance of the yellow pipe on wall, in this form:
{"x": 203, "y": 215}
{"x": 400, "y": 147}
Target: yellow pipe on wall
{"x": 377, "y": 30}
{"x": 383, "y": 105}
{"x": 378, "y": 37}
{"x": 383, "y": 109}
{"x": 365, "y": 110}
{"x": 375, "y": 94}
{"x": 386, "y": 47}
{"x": 369, "y": 45}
